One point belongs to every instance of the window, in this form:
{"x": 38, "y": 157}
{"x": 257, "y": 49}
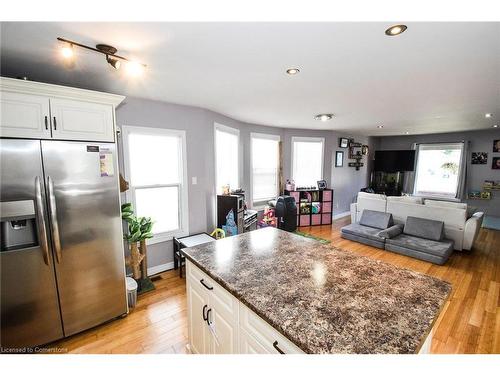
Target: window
{"x": 155, "y": 166}
{"x": 307, "y": 161}
{"x": 226, "y": 157}
{"x": 265, "y": 165}
{"x": 438, "y": 169}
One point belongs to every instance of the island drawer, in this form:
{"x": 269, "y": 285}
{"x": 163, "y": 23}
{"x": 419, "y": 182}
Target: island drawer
{"x": 224, "y": 298}
{"x": 268, "y": 338}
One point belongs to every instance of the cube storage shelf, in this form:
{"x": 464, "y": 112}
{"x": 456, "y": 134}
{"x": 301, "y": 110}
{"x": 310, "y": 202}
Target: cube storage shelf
{"x": 314, "y": 207}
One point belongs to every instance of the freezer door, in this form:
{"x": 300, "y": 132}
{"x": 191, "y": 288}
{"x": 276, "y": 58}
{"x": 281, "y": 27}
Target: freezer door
{"x": 29, "y": 306}
{"x": 84, "y": 213}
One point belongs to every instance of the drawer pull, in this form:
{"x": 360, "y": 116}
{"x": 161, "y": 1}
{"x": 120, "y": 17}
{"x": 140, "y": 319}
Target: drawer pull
{"x": 275, "y": 344}
{"x": 204, "y": 312}
{"x": 205, "y": 285}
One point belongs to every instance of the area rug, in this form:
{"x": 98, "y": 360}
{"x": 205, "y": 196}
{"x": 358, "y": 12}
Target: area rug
{"x": 491, "y": 222}
{"x": 307, "y": 235}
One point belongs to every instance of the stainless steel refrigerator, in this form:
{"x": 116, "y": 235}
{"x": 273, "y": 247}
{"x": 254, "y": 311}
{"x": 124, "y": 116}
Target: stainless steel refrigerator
{"x": 61, "y": 259}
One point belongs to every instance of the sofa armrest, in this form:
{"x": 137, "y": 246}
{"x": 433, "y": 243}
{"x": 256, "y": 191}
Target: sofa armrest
{"x": 471, "y": 230}
{"x": 391, "y": 232}
{"x": 354, "y": 207}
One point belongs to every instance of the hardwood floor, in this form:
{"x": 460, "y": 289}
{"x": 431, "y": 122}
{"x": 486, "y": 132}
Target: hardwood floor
{"x": 469, "y": 322}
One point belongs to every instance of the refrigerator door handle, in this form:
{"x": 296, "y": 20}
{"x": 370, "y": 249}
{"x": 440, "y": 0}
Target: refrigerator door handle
{"x": 40, "y": 216}
{"x": 53, "y": 220}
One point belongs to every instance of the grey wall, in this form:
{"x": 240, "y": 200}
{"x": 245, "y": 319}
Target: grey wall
{"x": 480, "y": 141}
{"x": 346, "y": 181}
{"x": 199, "y": 126}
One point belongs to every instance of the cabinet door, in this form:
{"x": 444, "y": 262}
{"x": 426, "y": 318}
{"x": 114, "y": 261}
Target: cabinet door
{"x": 24, "y": 116}
{"x": 224, "y": 334}
{"x": 199, "y": 340}
{"x": 249, "y": 345}
{"x": 79, "y": 120}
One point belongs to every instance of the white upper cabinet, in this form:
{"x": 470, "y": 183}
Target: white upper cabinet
{"x": 43, "y": 111}
{"x": 73, "y": 119}
{"x": 24, "y": 116}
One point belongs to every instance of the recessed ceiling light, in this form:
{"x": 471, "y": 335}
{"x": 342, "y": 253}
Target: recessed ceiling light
{"x": 495, "y": 126}
{"x": 407, "y": 132}
{"x": 380, "y": 126}
{"x": 324, "y": 116}
{"x": 488, "y": 115}
{"x": 292, "y": 71}
{"x": 395, "y": 30}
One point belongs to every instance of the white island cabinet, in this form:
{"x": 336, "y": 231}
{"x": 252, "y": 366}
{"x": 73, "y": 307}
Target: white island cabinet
{"x": 220, "y": 324}
{"x": 44, "y": 111}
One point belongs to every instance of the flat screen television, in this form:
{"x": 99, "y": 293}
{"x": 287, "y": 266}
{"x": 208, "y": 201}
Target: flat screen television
{"x": 394, "y": 161}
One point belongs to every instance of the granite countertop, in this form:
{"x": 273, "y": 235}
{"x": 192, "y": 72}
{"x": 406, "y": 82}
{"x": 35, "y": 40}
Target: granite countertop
{"x": 324, "y": 299}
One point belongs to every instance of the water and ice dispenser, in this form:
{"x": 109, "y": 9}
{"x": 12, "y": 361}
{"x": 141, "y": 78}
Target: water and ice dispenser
{"x": 18, "y": 226}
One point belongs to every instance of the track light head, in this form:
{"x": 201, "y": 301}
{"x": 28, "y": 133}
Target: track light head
{"x": 115, "y": 63}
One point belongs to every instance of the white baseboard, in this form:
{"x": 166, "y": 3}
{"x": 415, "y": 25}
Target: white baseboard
{"x": 160, "y": 268}
{"x": 341, "y": 215}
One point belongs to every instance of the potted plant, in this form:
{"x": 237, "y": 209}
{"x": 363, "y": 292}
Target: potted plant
{"x": 139, "y": 229}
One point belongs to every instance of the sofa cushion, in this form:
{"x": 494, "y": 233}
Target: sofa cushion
{"x": 362, "y": 231}
{"x": 438, "y": 248}
{"x": 363, "y": 194}
{"x": 434, "y": 203}
{"x": 376, "y": 219}
{"x": 391, "y": 232}
{"x": 424, "y": 228}
{"x": 406, "y": 199}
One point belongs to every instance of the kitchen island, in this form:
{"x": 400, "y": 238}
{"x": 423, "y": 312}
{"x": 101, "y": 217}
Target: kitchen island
{"x": 270, "y": 291}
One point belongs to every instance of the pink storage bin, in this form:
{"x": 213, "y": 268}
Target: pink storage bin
{"x": 327, "y": 219}
{"x": 327, "y": 195}
{"x": 295, "y": 195}
{"x": 327, "y": 208}
{"x": 305, "y": 220}
{"x": 316, "y": 220}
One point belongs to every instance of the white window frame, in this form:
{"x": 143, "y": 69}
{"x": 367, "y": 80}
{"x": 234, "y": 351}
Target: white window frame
{"x": 460, "y": 171}
{"x": 182, "y": 186}
{"x": 274, "y": 137}
{"x": 236, "y": 132}
{"x": 308, "y": 139}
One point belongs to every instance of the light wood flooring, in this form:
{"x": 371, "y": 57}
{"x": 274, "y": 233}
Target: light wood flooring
{"x": 469, "y": 322}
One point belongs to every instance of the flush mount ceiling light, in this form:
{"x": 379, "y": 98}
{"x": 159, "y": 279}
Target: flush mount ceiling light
{"x": 488, "y": 115}
{"x": 380, "y": 126}
{"x": 495, "y": 126}
{"x": 395, "y": 30}
{"x": 324, "y": 116}
{"x": 133, "y": 67}
{"x": 292, "y": 71}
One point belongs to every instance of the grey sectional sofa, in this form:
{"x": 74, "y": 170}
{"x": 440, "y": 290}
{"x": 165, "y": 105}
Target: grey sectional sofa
{"x": 419, "y": 238}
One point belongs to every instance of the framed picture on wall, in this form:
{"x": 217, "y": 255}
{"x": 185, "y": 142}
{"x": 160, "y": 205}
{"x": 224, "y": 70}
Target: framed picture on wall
{"x": 339, "y": 158}
{"x": 496, "y": 163}
{"x": 479, "y": 158}
{"x": 496, "y": 145}
{"x": 343, "y": 142}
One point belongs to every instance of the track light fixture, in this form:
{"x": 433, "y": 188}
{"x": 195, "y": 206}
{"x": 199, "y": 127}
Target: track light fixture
{"x": 133, "y": 67}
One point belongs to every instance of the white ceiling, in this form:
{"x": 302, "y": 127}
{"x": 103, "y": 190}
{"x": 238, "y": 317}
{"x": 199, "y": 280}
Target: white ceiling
{"x": 436, "y": 77}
